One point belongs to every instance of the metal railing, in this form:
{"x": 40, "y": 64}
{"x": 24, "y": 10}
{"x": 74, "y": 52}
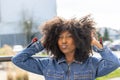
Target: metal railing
{"x": 8, "y": 58}
{"x": 5, "y": 58}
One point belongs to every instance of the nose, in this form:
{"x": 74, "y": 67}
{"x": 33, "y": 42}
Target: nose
{"x": 64, "y": 40}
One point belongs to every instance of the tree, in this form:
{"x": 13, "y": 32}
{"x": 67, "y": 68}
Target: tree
{"x": 28, "y": 30}
{"x": 106, "y": 35}
{"x": 27, "y": 26}
{"x": 98, "y": 34}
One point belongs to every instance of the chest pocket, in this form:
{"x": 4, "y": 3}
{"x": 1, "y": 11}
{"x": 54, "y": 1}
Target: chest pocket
{"x": 54, "y": 75}
{"x": 83, "y": 75}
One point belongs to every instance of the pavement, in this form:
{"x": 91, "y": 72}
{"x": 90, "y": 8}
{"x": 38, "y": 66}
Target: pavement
{"x": 3, "y": 74}
{"x": 115, "y": 78}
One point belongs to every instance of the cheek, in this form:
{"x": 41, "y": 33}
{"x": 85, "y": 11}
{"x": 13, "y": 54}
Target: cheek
{"x": 72, "y": 44}
{"x": 58, "y": 43}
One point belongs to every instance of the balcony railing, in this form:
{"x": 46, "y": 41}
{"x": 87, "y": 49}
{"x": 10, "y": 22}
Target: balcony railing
{"x": 5, "y": 58}
{"x": 8, "y": 58}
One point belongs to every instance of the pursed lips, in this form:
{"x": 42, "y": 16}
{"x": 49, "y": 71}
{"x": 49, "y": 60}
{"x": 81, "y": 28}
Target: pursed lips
{"x": 63, "y": 46}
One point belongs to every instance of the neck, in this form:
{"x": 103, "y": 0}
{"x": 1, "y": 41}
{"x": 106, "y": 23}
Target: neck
{"x": 69, "y": 58}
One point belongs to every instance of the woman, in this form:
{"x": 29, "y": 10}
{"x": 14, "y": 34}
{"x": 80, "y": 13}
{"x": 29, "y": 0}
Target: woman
{"x": 70, "y": 43}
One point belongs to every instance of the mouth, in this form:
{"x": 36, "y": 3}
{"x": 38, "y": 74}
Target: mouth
{"x": 63, "y": 46}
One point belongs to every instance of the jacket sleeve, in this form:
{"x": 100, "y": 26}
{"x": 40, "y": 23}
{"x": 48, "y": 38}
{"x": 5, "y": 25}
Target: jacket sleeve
{"x": 108, "y": 63}
{"x": 25, "y": 60}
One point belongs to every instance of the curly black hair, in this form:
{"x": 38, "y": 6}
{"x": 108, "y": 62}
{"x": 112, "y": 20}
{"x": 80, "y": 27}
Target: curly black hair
{"x": 80, "y": 30}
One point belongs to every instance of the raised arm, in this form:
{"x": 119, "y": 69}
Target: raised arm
{"x": 25, "y": 60}
{"x": 109, "y": 61}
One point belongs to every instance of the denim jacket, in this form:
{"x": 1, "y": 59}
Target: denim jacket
{"x": 53, "y": 69}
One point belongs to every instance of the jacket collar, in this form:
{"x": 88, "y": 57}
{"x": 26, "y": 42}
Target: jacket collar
{"x": 62, "y": 60}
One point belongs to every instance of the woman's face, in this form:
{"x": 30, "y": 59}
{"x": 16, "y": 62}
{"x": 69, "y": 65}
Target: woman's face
{"x": 66, "y": 43}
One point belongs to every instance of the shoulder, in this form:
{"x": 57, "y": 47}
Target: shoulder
{"x": 93, "y": 60}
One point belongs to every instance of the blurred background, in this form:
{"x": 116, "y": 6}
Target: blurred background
{"x": 20, "y": 21}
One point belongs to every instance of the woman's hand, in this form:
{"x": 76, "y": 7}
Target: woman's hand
{"x": 95, "y": 42}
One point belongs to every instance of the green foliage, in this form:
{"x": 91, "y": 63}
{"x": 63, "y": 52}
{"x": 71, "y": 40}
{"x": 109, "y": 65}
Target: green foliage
{"x": 27, "y": 26}
{"x": 113, "y": 74}
{"x": 98, "y": 34}
{"x": 106, "y": 35}
{"x": 28, "y": 30}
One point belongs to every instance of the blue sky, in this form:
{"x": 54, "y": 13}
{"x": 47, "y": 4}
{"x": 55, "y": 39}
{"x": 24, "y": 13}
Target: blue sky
{"x": 106, "y": 13}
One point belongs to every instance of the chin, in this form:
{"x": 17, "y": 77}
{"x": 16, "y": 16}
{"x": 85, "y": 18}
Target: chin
{"x": 65, "y": 52}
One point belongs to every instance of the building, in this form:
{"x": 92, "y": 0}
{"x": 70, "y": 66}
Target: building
{"x": 18, "y": 16}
